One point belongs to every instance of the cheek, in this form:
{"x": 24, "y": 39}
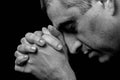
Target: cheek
{"x": 107, "y": 35}
{"x": 114, "y": 35}
{"x": 98, "y": 33}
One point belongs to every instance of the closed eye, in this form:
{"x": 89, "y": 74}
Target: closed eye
{"x": 68, "y": 27}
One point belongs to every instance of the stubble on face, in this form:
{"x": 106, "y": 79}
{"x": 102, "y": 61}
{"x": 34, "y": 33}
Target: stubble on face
{"x": 99, "y": 31}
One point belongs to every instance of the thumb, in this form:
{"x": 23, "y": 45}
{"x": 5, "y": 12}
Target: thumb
{"x": 53, "y": 31}
{"x": 54, "y": 42}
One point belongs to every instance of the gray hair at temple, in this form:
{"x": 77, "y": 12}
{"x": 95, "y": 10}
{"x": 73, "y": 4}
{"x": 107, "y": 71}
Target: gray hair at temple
{"x": 83, "y": 5}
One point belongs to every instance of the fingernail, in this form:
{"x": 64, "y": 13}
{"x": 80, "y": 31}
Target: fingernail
{"x": 59, "y": 46}
{"x": 23, "y": 57}
{"x": 42, "y": 42}
{"x": 46, "y": 31}
{"x": 18, "y": 54}
{"x": 38, "y": 33}
{"x": 53, "y": 31}
{"x": 50, "y": 27}
{"x": 33, "y": 47}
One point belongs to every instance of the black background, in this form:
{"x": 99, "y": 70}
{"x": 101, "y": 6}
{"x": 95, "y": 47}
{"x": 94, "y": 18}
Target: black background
{"x": 26, "y": 16}
{"x": 21, "y": 17}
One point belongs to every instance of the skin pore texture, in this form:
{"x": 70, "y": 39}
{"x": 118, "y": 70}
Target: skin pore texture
{"x": 45, "y": 59}
{"x": 96, "y": 33}
{"x": 98, "y": 28}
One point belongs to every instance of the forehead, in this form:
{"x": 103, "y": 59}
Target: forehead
{"x": 61, "y": 9}
{"x": 64, "y": 2}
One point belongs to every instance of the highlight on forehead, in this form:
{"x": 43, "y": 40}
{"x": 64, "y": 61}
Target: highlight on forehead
{"x": 83, "y": 5}
{"x": 44, "y": 2}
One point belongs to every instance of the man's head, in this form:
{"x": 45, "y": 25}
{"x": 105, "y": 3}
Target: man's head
{"x": 93, "y": 23}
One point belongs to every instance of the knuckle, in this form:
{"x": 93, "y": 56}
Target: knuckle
{"x": 17, "y": 54}
{"x": 46, "y": 31}
{"x": 36, "y": 38}
{"x": 26, "y": 48}
{"x": 54, "y": 42}
{"x": 38, "y": 33}
{"x": 29, "y": 36}
{"x": 29, "y": 48}
{"x": 19, "y": 48}
{"x": 22, "y": 47}
{"x": 51, "y": 40}
{"x": 32, "y": 38}
{"x": 24, "y": 41}
{"x": 32, "y": 48}
{"x": 20, "y": 58}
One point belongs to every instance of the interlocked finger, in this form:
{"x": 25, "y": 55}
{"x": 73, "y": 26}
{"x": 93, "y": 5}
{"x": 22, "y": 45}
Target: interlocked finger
{"x": 35, "y": 38}
{"x": 51, "y": 40}
{"x": 28, "y": 68}
{"x": 39, "y": 34}
{"x": 23, "y": 48}
{"x": 31, "y": 38}
{"x": 24, "y": 41}
{"x": 20, "y": 58}
{"x": 53, "y": 31}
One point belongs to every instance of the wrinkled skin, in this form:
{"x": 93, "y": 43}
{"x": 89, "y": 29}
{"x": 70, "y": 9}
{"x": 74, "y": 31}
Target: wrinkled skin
{"x": 40, "y": 55}
{"x": 98, "y": 28}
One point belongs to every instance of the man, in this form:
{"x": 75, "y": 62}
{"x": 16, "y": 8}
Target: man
{"x": 91, "y": 26}
{"x": 94, "y": 29}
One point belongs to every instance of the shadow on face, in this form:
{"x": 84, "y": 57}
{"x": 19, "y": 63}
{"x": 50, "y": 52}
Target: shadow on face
{"x": 96, "y": 29}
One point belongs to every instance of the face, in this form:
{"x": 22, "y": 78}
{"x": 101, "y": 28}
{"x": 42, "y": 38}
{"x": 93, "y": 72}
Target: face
{"x": 96, "y": 29}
